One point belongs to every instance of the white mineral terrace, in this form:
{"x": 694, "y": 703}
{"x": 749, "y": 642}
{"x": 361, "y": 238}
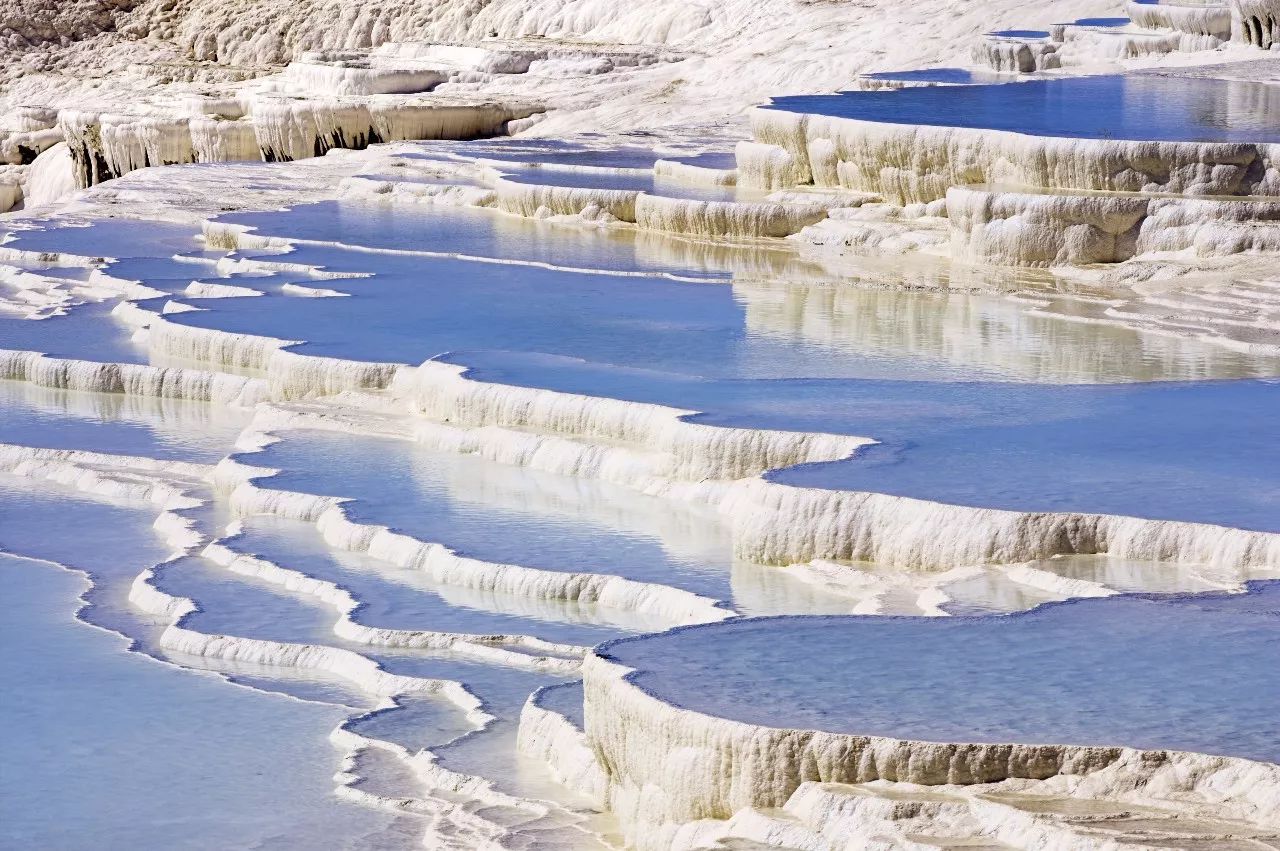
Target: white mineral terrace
{"x": 584, "y": 425}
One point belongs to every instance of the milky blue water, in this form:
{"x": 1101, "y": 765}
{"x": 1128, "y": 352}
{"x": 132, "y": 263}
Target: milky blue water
{"x": 505, "y": 514}
{"x": 112, "y": 543}
{"x": 992, "y": 593}
{"x": 107, "y": 749}
{"x": 1032, "y": 34}
{"x": 244, "y": 606}
{"x": 404, "y": 598}
{"x": 1102, "y": 22}
{"x": 417, "y": 307}
{"x": 114, "y": 750}
{"x": 460, "y": 230}
{"x": 1186, "y": 674}
{"x": 420, "y": 307}
{"x": 648, "y": 183}
{"x": 1172, "y": 109}
{"x": 1191, "y": 451}
{"x": 168, "y": 257}
{"x": 105, "y": 238}
{"x": 88, "y": 332}
{"x": 165, "y": 271}
{"x": 928, "y": 75}
{"x": 248, "y": 607}
{"x": 566, "y": 699}
{"x": 105, "y": 422}
{"x": 549, "y": 151}
{"x": 708, "y": 159}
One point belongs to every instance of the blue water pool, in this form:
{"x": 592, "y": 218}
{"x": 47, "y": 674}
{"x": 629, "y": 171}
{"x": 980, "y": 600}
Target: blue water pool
{"x": 1197, "y": 451}
{"x": 547, "y": 151}
{"x": 1185, "y": 673}
{"x": 505, "y": 514}
{"x": 928, "y": 75}
{"x": 1101, "y": 22}
{"x": 112, "y": 422}
{"x": 87, "y": 332}
{"x": 108, "y": 748}
{"x": 406, "y": 598}
{"x": 103, "y": 238}
{"x": 647, "y": 183}
{"x": 765, "y": 325}
{"x": 461, "y": 230}
{"x": 709, "y": 159}
{"x": 1028, "y": 34}
{"x": 1134, "y": 106}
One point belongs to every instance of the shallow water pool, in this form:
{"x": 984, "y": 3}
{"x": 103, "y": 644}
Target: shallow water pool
{"x": 147, "y": 755}
{"x": 1185, "y": 674}
{"x": 1132, "y": 106}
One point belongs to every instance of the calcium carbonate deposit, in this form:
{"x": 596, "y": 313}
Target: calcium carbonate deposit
{"x": 745, "y": 424}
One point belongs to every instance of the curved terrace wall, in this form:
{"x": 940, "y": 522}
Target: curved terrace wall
{"x": 911, "y": 163}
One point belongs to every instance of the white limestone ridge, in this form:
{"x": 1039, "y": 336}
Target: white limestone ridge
{"x": 688, "y": 216}
{"x": 1022, "y": 228}
{"x": 530, "y": 652}
{"x": 693, "y": 173}
{"x": 1198, "y": 18}
{"x": 163, "y": 484}
{"x": 655, "y": 450}
{"x": 1256, "y": 22}
{"x": 648, "y": 448}
{"x": 132, "y": 379}
{"x": 779, "y": 524}
{"x": 1156, "y": 28}
{"x": 441, "y": 392}
{"x": 26, "y": 132}
{"x": 676, "y": 778}
{"x": 52, "y": 177}
{"x": 454, "y": 807}
{"x": 554, "y": 739}
{"x": 884, "y": 158}
{"x": 607, "y": 593}
{"x": 1005, "y": 198}
{"x": 269, "y": 80}
{"x": 107, "y": 145}
{"x": 615, "y": 441}
{"x": 266, "y": 79}
{"x": 32, "y": 295}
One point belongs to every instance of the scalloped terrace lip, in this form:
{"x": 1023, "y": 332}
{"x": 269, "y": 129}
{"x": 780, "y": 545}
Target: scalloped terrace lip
{"x": 86, "y": 694}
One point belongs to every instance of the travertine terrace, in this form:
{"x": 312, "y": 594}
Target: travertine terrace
{"x": 665, "y": 425}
